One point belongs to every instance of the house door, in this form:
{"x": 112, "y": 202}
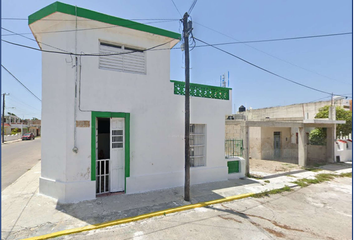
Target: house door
{"x": 117, "y": 176}
{"x": 276, "y": 145}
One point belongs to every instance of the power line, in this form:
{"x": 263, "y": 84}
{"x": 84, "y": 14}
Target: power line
{"x": 270, "y": 54}
{"x": 87, "y": 54}
{"x": 87, "y": 29}
{"x": 191, "y": 8}
{"x": 64, "y": 20}
{"x": 12, "y": 98}
{"x": 176, "y": 8}
{"x": 281, "y": 39}
{"x": 263, "y": 69}
{"x": 21, "y": 83}
{"x": 33, "y": 39}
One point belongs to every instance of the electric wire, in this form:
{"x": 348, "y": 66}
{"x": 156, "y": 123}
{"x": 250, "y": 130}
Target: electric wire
{"x": 281, "y": 39}
{"x": 191, "y": 8}
{"x": 88, "y": 29}
{"x": 13, "y": 98}
{"x": 271, "y": 55}
{"x": 20, "y": 82}
{"x": 33, "y": 39}
{"x": 86, "y": 54}
{"x": 64, "y": 20}
{"x": 265, "y": 70}
{"x": 205, "y": 45}
{"x": 176, "y": 8}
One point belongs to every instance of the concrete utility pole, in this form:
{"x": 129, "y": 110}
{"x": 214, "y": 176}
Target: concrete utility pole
{"x": 187, "y": 28}
{"x": 3, "y": 117}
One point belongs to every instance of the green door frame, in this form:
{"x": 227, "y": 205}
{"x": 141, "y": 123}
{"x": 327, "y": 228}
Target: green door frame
{"x": 126, "y": 116}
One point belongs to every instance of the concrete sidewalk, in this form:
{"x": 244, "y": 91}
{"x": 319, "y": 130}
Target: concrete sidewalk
{"x": 25, "y": 213}
{"x": 12, "y": 141}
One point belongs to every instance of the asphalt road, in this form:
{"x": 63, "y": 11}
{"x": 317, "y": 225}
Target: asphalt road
{"x": 17, "y": 158}
{"x": 319, "y": 211}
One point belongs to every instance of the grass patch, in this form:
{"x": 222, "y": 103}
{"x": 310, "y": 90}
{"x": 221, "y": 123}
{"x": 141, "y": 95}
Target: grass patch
{"x": 322, "y": 177}
{"x": 304, "y": 182}
{"x": 270, "y": 192}
{"x": 350, "y": 175}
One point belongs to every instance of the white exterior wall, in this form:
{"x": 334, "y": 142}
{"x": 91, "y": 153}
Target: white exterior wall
{"x": 344, "y": 150}
{"x": 156, "y": 115}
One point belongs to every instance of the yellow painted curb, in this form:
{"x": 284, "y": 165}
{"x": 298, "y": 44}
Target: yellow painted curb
{"x": 140, "y": 217}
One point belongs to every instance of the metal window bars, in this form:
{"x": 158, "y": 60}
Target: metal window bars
{"x": 102, "y": 179}
{"x": 233, "y": 148}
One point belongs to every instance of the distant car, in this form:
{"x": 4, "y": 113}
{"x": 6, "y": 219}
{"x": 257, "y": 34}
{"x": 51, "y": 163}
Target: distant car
{"x": 28, "y": 136}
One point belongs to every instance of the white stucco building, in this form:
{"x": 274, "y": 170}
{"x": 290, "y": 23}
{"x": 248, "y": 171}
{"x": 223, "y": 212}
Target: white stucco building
{"x": 119, "y": 119}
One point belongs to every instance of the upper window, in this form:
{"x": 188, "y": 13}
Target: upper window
{"x": 121, "y": 58}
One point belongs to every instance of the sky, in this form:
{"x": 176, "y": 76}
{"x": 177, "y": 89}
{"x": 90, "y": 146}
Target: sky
{"x": 321, "y": 63}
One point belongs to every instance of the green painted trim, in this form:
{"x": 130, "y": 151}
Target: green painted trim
{"x": 202, "y": 85}
{"x": 126, "y": 117}
{"x": 127, "y": 145}
{"x": 200, "y": 90}
{"x": 96, "y": 16}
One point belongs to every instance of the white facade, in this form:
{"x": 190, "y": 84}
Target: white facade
{"x": 344, "y": 150}
{"x": 155, "y": 115}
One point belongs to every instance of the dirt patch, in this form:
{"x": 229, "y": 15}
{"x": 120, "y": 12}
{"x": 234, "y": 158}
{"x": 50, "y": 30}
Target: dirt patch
{"x": 272, "y": 166}
{"x": 276, "y": 233}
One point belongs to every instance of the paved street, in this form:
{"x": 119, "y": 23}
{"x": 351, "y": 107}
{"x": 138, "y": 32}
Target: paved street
{"x": 321, "y": 211}
{"x": 17, "y": 158}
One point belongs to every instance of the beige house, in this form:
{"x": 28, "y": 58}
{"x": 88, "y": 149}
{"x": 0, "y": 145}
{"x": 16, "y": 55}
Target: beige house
{"x": 7, "y": 128}
{"x": 35, "y": 127}
{"x": 282, "y": 134}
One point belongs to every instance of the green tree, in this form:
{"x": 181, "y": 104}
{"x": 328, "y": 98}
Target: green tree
{"x": 341, "y": 114}
{"x": 318, "y": 136}
{"x": 15, "y": 130}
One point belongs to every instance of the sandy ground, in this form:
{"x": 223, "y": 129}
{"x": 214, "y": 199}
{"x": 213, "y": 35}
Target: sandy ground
{"x": 272, "y": 166}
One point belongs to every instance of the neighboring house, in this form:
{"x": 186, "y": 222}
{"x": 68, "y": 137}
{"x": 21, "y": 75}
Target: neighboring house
{"x": 293, "y": 112}
{"x": 35, "y": 127}
{"x": 282, "y": 133}
{"x": 7, "y": 128}
{"x": 344, "y": 150}
{"x": 16, "y": 122}
{"x": 123, "y": 128}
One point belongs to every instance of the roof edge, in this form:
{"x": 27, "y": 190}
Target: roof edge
{"x": 96, "y": 16}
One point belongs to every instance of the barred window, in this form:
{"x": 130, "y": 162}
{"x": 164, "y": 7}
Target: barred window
{"x": 197, "y": 145}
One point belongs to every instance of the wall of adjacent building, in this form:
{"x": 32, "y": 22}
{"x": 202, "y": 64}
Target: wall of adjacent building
{"x": 299, "y": 111}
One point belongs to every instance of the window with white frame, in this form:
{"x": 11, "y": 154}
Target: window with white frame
{"x": 122, "y": 58}
{"x": 197, "y": 145}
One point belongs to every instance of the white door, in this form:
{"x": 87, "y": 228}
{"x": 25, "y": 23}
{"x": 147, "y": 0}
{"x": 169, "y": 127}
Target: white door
{"x": 117, "y": 176}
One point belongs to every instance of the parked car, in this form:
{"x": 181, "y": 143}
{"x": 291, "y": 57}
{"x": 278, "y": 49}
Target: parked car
{"x": 28, "y": 136}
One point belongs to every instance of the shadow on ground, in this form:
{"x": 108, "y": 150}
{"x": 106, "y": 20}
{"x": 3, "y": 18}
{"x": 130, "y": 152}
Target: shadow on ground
{"x": 119, "y": 206}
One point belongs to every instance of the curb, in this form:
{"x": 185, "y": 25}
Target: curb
{"x": 140, "y": 217}
{"x": 12, "y": 141}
